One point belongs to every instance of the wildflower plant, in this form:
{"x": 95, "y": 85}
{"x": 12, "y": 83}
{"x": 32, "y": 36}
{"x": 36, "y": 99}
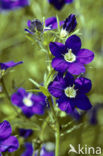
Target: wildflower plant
{"x": 63, "y": 93}
{"x": 64, "y": 87}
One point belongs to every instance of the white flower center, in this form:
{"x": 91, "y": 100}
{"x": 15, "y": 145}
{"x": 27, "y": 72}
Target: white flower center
{"x": 69, "y": 56}
{"x": 50, "y": 146}
{"x": 27, "y": 100}
{"x": 70, "y": 92}
{"x": 63, "y": 33}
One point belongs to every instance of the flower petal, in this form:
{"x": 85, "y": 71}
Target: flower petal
{"x": 29, "y": 23}
{"x": 83, "y": 85}
{"x": 27, "y": 30}
{"x": 10, "y": 144}
{"x": 38, "y": 109}
{"x": 82, "y": 102}
{"x": 29, "y": 150}
{"x": 56, "y": 88}
{"x": 25, "y": 132}
{"x": 40, "y": 99}
{"x": 69, "y": 79}
{"x": 85, "y": 56}
{"x": 5, "y": 129}
{"x": 74, "y": 43}
{"x": 17, "y": 98}
{"x": 57, "y": 49}
{"x": 21, "y": 92}
{"x": 9, "y": 64}
{"x": 68, "y": 1}
{"x": 50, "y": 22}
{"x": 70, "y": 23}
{"x": 76, "y": 68}
{"x": 64, "y": 104}
{"x": 28, "y": 111}
{"x": 59, "y": 64}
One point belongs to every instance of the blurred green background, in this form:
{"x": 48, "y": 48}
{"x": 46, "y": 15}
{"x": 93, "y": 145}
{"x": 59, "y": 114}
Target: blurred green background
{"x": 15, "y": 46}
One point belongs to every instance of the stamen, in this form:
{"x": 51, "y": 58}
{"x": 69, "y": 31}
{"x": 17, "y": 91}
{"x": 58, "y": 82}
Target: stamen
{"x": 63, "y": 33}
{"x": 70, "y": 92}
{"x": 27, "y": 100}
{"x": 69, "y": 56}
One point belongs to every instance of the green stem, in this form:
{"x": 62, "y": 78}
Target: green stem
{"x": 7, "y": 94}
{"x": 57, "y": 135}
{"x": 5, "y": 90}
{"x": 43, "y": 128}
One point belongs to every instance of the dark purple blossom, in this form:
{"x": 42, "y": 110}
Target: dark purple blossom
{"x": 58, "y": 4}
{"x": 12, "y": 4}
{"x": 70, "y": 57}
{"x": 34, "y": 25}
{"x": 10, "y": 64}
{"x": 29, "y": 103}
{"x": 50, "y": 24}
{"x": 46, "y": 150}
{"x": 29, "y": 150}
{"x": 93, "y": 114}
{"x": 69, "y": 25}
{"x": 70, "y": 92}
{"x": 7, "y": 142}
{"x": 25, "y": 132}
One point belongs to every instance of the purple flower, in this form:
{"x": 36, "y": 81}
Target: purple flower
{"x": 70, "y": 57}
{"x": 12, "y": 4}
{"x": 29, "y": 103}
{"x": 10, "y": 64}
{"x": 29, "y": 150}
{"x": 50, "y": 24}
{"x": 34, "y": 25}
{"x": 69, "y": 25}
{"x": 25, "y": 132}
{"x": 93, "y": 114}
{"x": 58, "y": 4}
{"x": 70, "y": 92}
{"x": 7, "y": 142}
{"x": 46, "y": 150}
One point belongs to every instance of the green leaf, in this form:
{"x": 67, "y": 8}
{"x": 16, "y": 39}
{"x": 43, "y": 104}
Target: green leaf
{"x": 26, "y": 124}
{"x": 58, "y": 22}
{"x": 34, "y": 82}
{"x": 29, "y": 38}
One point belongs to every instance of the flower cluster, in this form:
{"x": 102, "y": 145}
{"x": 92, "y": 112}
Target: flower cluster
{"x": 66, "y": 83}
{"x": 69, "y": 25}
{"x": 12, "y": 4}
{"x": 37, "y": 25}
{"x": 70, "y": 59}
{"x": 7, "y": 142}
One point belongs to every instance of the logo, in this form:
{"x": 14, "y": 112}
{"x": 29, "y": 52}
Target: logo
{"x": 85, "y": 150}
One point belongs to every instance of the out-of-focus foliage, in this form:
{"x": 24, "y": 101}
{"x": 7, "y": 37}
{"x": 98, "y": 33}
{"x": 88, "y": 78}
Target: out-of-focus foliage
{"x": 15, "y": 46}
